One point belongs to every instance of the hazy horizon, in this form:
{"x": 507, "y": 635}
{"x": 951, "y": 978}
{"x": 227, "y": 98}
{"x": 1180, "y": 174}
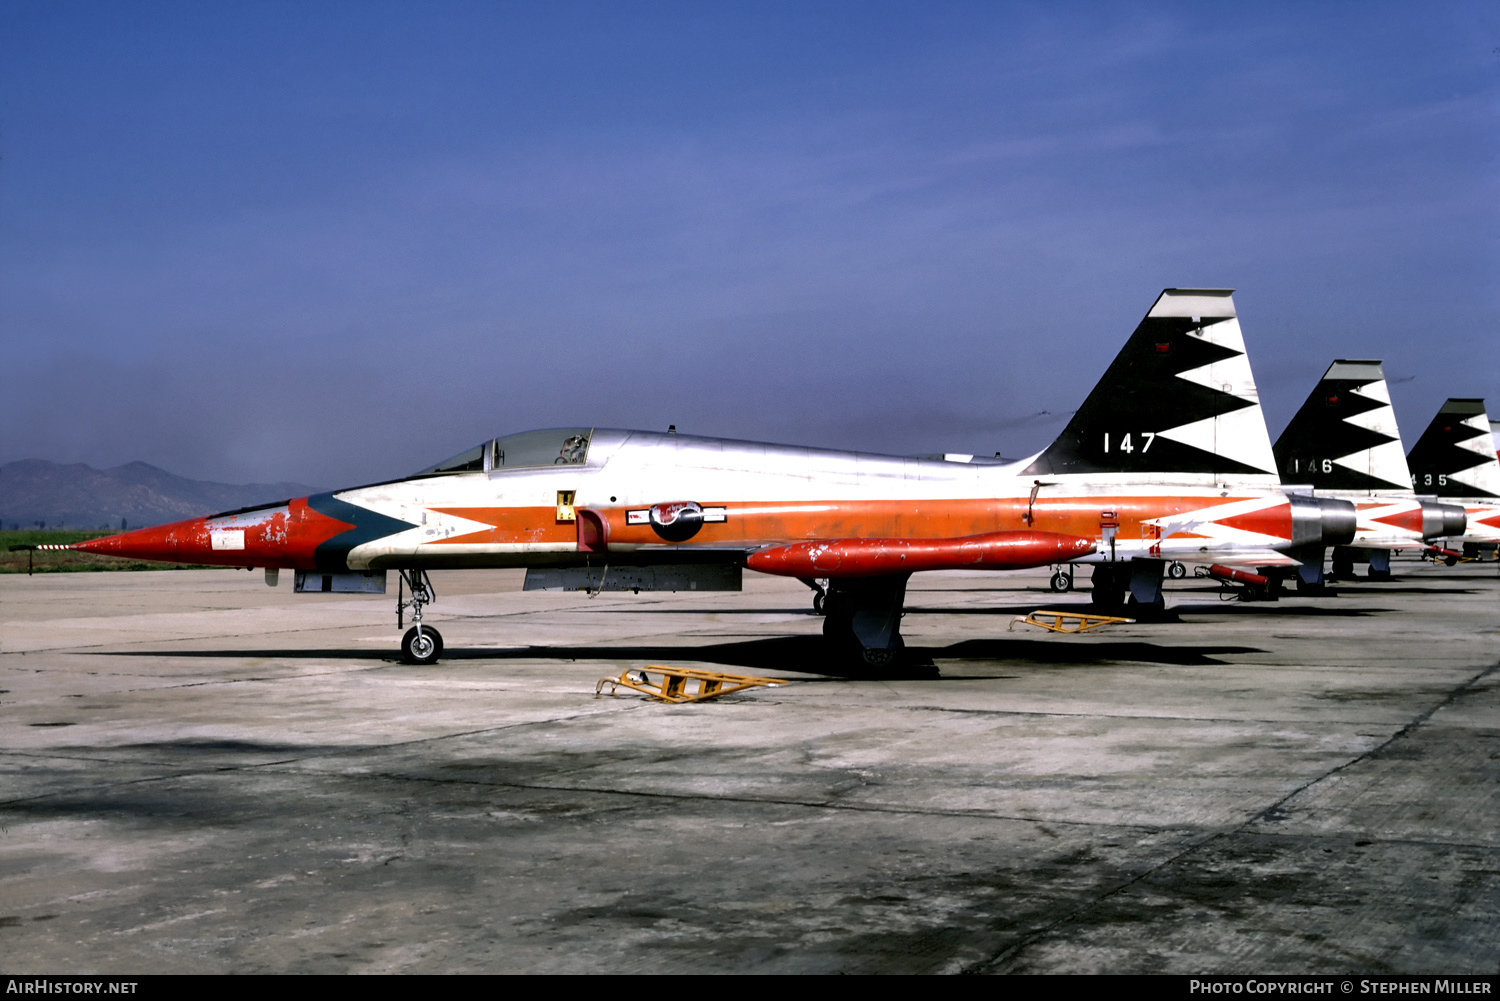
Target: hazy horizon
{"x": 335, "y": 243}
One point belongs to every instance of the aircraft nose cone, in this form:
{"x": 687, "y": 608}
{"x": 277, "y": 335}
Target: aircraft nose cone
{"x": 280, "y": 535}
{"x": 180, "y": 542}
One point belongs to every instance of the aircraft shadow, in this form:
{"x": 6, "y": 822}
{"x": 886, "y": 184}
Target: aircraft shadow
{"x": 799, "y": 654}
{"x": 1377, "y": 588}
{"x": 1274, "y": 608}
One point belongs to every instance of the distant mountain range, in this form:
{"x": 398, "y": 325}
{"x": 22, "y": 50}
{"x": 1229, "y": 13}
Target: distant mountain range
{"x": 135, "y": 494}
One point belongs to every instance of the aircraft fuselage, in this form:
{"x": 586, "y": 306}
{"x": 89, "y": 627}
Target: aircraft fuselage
{"x": 648, "y": 497}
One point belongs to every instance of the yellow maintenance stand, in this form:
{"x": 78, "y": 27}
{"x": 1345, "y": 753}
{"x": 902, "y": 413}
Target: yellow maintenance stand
{"x": 1067, "y": 622}
{"x": 675, "y": 686}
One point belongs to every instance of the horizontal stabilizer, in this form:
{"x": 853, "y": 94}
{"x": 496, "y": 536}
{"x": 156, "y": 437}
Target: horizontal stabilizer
{"x": 1248, "y": 558}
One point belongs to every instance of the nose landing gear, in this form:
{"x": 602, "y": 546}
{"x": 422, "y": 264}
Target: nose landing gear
{"x": 421, "y": 644}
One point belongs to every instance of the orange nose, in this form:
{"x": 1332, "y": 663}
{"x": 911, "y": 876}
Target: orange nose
{"x": 284, "y": 535}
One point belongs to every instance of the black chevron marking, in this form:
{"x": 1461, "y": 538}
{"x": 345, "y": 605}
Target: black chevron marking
{"x": 1437, "y": 453}
{"x": 1321, "y": 430}
{"x": 1140, "y": 393}
{"x": 368, "y": 526}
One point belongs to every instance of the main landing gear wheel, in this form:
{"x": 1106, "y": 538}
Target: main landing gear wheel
{"x": 423, "y": 647}
{"x": 1062, "y": 582}
{"x": 1176, "y": 571}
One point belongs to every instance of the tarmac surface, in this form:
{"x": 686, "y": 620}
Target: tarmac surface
{"x": 202, "y": 774}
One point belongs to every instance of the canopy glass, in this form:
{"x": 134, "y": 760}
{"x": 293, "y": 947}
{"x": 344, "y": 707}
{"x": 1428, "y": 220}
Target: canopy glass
{"x": 554, "y": 447}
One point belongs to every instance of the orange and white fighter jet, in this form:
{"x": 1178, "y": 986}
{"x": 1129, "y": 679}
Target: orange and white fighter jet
{"x": 1455, "y": 461}
{"x": 1167, "y": 460}
{"x": 1344, "y": 442}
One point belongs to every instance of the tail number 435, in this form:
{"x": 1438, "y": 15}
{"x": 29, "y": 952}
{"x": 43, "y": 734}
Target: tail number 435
{"x": 1125, "y": 444}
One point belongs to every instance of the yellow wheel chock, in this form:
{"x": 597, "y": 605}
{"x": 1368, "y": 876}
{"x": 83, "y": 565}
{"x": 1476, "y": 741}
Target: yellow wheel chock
{"x": 673, "y": 686}
{"x": 1067, "y": 622}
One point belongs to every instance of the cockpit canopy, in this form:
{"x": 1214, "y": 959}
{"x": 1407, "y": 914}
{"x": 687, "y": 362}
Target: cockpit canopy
{"x": 554, "y": 447}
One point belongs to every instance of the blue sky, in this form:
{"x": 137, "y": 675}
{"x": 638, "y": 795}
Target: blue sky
{"x": 333, "y": 243}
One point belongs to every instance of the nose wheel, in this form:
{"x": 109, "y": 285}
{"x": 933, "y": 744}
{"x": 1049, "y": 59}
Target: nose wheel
{"x": 421, "y": 644}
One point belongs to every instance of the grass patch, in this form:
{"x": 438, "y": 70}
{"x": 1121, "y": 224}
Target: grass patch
{"x": 64, "y": 561}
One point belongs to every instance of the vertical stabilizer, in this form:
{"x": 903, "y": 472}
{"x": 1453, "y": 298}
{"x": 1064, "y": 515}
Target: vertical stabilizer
{"x": 1455, "y": 457}
{"x": 1345, "y": 436}
{"x": 1178, "y": 403}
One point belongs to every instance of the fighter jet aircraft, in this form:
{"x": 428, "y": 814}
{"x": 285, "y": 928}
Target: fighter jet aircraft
{"x": 1455, "y": 460}
{"x": 1168, "y": 459}
{"x": 1344, "y": 442}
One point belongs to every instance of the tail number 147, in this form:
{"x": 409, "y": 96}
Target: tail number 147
{"x": 1126, "y": 445}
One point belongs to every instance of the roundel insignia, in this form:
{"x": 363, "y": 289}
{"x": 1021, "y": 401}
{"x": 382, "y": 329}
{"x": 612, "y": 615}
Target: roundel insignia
{"x": 677, "y": 521}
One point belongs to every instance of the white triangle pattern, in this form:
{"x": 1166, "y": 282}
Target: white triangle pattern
{"x": 1377, "y": 391}
{"x": 1381, "y": 421}
{"x": 1481, "y": 444}
{"x": 1484, "y": 477}
{"x": 1386, "y": 462}
{"x": 1240, "y": 436}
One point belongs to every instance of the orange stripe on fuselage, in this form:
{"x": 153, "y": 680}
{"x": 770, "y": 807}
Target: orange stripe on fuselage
{"x": 758, "y": 522}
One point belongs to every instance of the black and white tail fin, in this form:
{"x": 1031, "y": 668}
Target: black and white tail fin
{"x": 1177, "y": 405}
{"x": 1345, "y": 436}
{"x": 1455, "y": 457}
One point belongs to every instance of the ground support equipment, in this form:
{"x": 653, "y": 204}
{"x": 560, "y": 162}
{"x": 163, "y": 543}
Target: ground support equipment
{"x": 1067, "y": 622}
{"x": 673, "y": 686}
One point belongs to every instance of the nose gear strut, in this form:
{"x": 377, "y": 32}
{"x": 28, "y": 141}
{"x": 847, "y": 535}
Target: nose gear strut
{"x": 421, "y": 644}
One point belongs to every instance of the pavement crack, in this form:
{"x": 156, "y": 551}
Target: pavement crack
{"x": 771, "y": 801}
{"x": 335, "y": 753}
{"x": 1013, "y": 950}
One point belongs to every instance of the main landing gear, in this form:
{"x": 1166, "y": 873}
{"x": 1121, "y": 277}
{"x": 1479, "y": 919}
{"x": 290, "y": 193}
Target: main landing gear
{"x": 1132, "y": 587}
{"x": 421, "y": 644}
{"x": 862, "y": 619}
{"x": 1344, "y": 558}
